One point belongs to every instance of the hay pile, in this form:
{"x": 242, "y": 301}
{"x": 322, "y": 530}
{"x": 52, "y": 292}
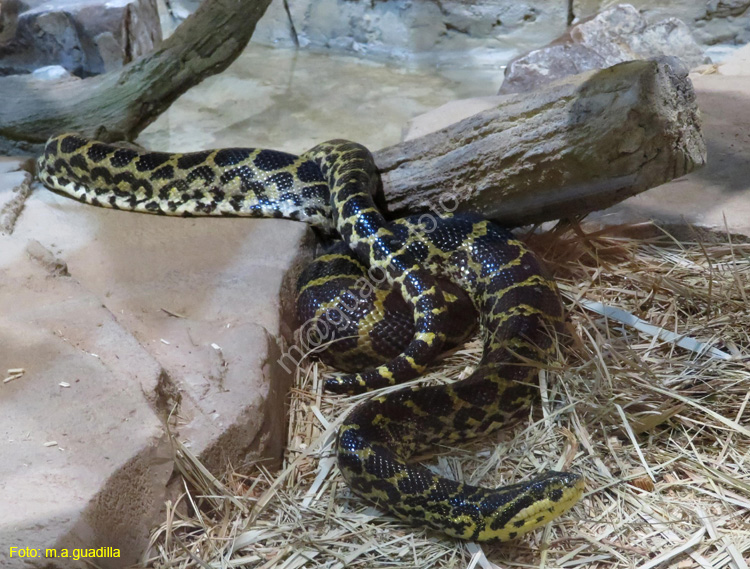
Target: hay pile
{"x": 654, "y": 411}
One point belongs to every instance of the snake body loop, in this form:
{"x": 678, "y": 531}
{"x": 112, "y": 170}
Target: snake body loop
{"x": 435, "y": 280}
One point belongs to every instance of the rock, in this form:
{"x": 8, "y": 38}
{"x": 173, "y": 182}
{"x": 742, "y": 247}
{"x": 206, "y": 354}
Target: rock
{"x": 447, "y": 31}
{"x": 51, "y": 72}
{"x": 146, "y": 318}
{"x": 454, "y": 31}
{"x": 613, "y": 36}
{"x": 712, "y": 22}
{"x": 85, "y": 456}
{"x": 86, "y": 37}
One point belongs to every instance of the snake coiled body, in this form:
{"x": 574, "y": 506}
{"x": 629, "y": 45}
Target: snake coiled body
{"x": 433, "y": 276}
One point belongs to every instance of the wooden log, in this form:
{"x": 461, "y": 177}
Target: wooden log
{"x": 574, "y": 146}
{"x": 119, "y": 104}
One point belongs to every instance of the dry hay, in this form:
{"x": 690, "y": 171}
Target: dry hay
{"x": 659, "y": 430}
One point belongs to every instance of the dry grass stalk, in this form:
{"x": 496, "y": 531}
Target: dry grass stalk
{"x": 659, "y": 431}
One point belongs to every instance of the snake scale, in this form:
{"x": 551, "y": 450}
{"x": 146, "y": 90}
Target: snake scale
{"x": 434, "y": 278}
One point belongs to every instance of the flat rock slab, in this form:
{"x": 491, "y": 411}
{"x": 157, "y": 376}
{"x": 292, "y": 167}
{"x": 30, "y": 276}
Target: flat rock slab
{"x": 124, "y": 323}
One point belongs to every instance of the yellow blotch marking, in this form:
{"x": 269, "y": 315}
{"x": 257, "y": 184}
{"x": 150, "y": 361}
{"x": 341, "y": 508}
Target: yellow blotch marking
{"x": 517, "y": 310}
{"x": 450, "y": 297}
{"x": 384, "y": 372}
{"x": 327, "y": 258}
{"x": 328, "y": 278}
{"x": 381, "y": 420}
{"x": 416, "y": 409}
{"x": 426, "y": 337}
{"x": 414, "y": 364}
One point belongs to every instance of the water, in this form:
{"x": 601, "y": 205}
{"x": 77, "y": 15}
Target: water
{"x": 290, "y": 100}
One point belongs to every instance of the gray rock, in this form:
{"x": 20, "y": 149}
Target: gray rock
{"x": 712, "y": 21}
{"x": 86, "y": 37}
{"x": 613, "y": 36}
{"x": 457, "y": 31}
{"x": 447, "y": 31}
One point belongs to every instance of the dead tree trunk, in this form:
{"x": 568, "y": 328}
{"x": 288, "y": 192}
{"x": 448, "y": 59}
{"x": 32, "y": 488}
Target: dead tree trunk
{"x": 118, "y": 105}
{"x": 574, "y": 146}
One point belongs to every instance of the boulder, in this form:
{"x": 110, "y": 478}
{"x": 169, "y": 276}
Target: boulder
{"x": 712, "y": 22}
{"x": 86, "y": 459}
{"x": 86, "y": 37}
{"x": 613, "y": 36}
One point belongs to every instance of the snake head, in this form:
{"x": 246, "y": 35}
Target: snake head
{"x": 517, "y": 509}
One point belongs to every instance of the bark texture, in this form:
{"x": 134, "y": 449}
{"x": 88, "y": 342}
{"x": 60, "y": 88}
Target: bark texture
{"x": 118, "y": 105}
{"x": 573, "y": 146}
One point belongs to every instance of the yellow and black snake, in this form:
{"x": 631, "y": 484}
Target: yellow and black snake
{"x": 430, "y": 280}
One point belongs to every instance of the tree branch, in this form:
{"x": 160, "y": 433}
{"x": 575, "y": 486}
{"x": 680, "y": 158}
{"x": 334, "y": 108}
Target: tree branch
{"x": 120, "y": 104}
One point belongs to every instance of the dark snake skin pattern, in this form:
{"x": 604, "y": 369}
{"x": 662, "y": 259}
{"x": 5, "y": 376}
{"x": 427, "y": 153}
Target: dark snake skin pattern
{"x": 433, "y": 282}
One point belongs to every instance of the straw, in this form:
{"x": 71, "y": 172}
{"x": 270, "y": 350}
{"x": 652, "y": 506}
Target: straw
{"x": 648, "y": 398}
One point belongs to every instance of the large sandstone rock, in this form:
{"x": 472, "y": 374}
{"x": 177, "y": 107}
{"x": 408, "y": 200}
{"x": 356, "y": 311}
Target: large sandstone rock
{"x": 714, "y": 21}
{"x": 125, "y": 323}
{"x": 613, "y": 36}
{"x": 86, "y": 37}
{"x": 85, "y": 456}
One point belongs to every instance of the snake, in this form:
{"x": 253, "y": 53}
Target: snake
{"x": 384, "y": 299}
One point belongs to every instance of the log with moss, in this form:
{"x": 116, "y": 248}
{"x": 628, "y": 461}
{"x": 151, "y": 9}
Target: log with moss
{"x": 571, "y": 147}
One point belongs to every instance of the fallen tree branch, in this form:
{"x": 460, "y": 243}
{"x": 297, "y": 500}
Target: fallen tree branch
{"x": 574, "y": 146}
{"x": 119, "y": 104}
